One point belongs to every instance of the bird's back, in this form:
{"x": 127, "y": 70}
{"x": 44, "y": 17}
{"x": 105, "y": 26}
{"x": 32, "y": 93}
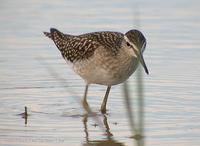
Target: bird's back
{"x": 108, "y": 39}
{"x": 74, "y": 48}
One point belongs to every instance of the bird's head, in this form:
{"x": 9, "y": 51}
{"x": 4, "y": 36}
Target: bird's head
{"x": 136, "y": 41}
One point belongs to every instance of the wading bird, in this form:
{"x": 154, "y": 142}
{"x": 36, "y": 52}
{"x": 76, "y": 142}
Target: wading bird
{"x": 105, "y": 58}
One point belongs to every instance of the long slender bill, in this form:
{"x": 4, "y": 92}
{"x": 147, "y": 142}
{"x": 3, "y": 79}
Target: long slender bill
{"x": 141, "y": 59}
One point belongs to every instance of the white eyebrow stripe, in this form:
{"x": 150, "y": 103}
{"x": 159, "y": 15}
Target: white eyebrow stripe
{"x": 134, "y": 46}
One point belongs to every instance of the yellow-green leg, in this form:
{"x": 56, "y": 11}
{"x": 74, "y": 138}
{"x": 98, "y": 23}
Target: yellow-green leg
{"x": 103, "y": 105}
{"x": 85, "y": 103}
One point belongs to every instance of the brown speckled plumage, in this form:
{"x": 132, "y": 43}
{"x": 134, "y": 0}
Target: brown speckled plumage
{"x": 74, "y": 48}
{"x": 71, "y": 47}
{"x": 110, "y": 40}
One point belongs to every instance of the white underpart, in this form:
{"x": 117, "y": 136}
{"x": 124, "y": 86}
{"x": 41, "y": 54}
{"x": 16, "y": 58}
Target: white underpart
{"x": 107, "y": 70}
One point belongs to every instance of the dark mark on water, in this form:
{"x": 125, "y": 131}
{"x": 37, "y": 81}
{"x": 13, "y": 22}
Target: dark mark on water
{"x": 24, "y": 115}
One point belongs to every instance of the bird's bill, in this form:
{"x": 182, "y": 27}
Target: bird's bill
{"x": 141, "y": 59}
{"x": 139, "y": 54}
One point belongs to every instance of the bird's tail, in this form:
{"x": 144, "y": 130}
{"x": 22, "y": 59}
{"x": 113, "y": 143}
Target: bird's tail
{"x": 57, "y": 36}
{"x": 48, "y": 34}
{"x": 54, "y": 32}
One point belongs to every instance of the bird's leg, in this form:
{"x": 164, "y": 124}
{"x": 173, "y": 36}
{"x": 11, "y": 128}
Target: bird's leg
{"x": 85, "y": 103}
{"x": 103, "y": 105}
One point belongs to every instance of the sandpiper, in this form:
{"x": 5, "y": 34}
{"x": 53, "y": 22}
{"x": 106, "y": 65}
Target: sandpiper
{"x": 105, "y": 58}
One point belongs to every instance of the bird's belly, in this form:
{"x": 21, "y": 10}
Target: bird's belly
{"x": 105, "y": 72}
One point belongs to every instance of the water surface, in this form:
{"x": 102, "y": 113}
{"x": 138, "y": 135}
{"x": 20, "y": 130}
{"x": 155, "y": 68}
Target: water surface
{"x": 33, "y": 73}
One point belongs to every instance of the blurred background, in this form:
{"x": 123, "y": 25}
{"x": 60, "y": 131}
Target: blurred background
{"x": 33, "y": 73}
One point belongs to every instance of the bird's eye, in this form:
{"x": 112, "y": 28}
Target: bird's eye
{"x": 127, "y": 43}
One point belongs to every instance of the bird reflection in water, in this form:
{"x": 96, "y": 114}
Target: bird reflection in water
{"x": 137, "y": 130}
{"x": 109, "y": 141}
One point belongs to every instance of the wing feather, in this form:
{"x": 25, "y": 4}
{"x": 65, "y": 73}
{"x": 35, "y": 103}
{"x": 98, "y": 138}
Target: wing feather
{"x": 72, "y": 48}
{"x": 75, "y": 48}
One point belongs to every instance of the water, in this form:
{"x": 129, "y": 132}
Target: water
{"x": 33, "y": 74}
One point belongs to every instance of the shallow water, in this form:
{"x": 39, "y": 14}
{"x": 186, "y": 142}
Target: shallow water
{"x": 33, "y": 74}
